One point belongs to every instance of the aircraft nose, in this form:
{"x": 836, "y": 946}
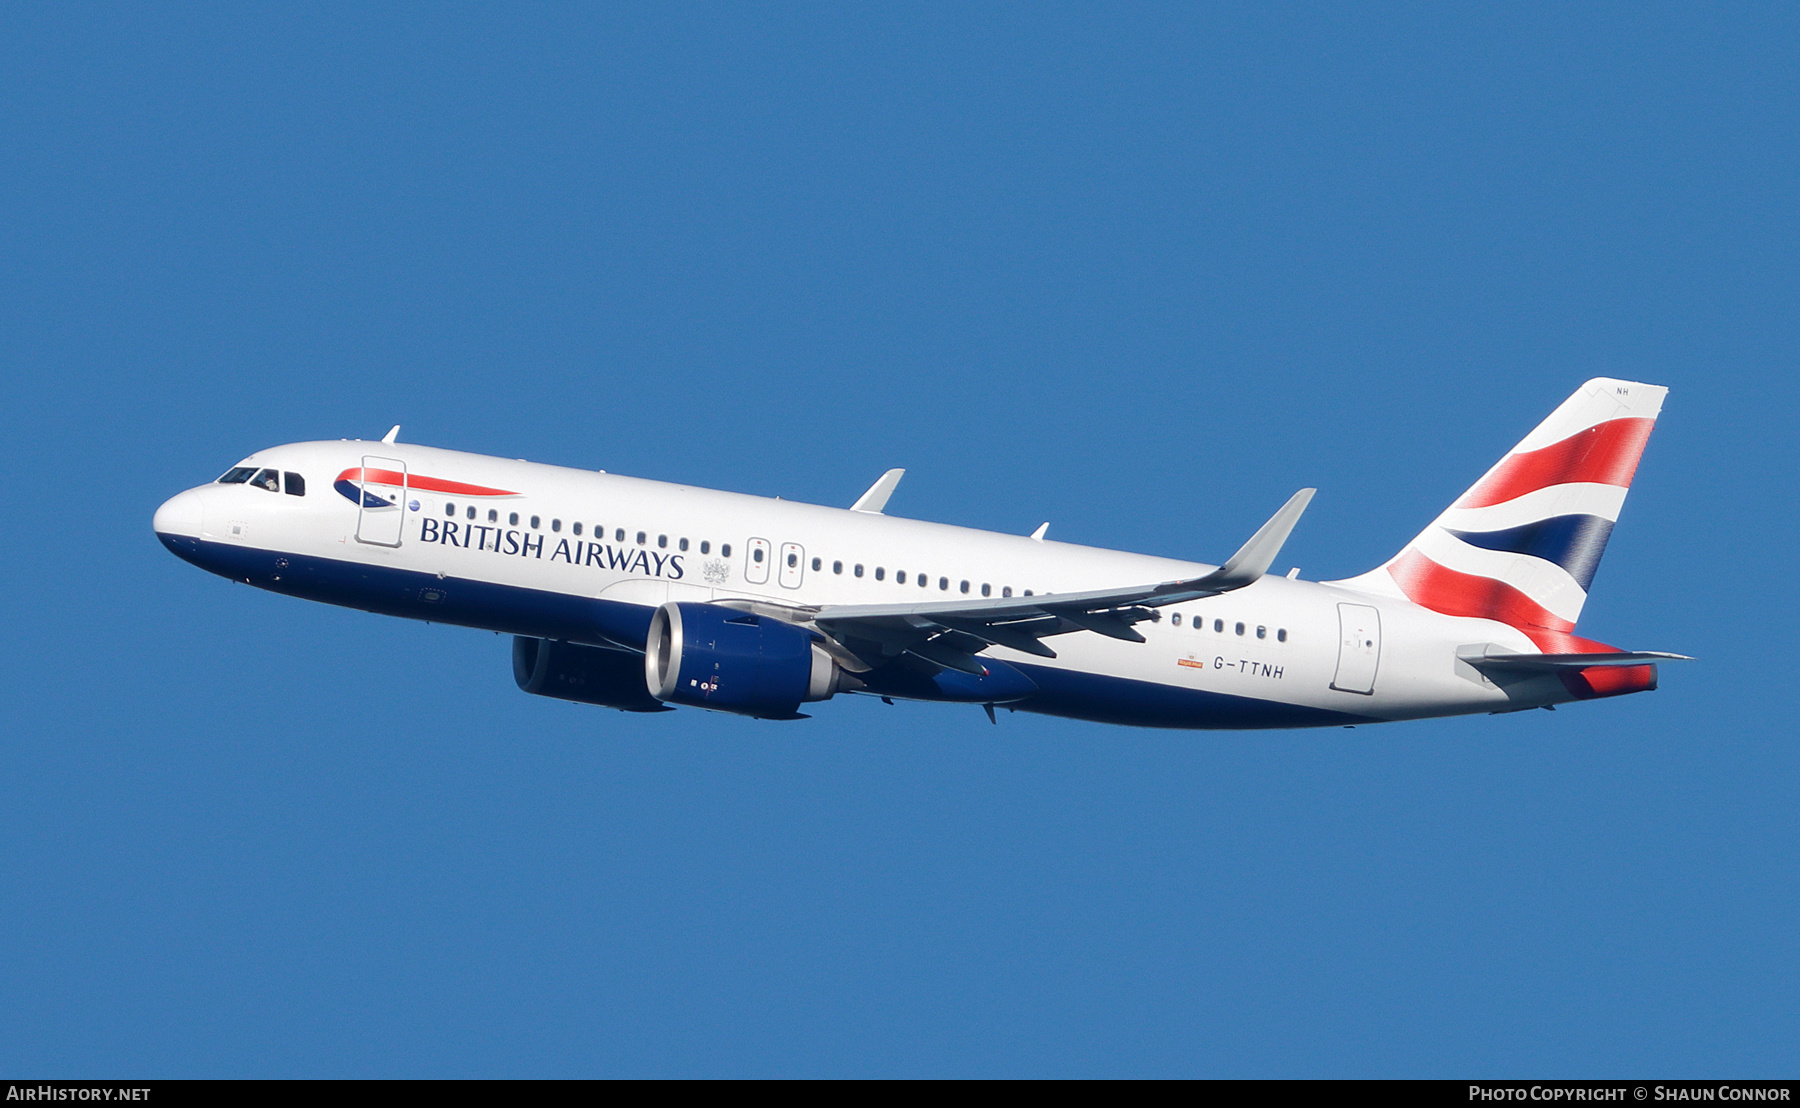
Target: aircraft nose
{"x": 180, "y": 516}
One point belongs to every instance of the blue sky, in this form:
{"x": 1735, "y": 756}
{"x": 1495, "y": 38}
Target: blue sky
{"x": 1141, "y": 271}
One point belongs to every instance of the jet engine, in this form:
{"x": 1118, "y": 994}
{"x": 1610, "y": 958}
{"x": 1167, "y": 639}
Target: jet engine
{"x": 586, "y": 674}
{"x": 711, "y": 656}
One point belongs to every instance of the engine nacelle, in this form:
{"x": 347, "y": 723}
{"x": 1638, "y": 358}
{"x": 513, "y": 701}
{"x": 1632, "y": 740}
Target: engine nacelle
{"x": 586, "y": 674}
{"x": 715, "y": 657}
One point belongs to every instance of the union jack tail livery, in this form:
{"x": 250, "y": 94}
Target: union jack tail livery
{"x": 1522, "y": 544}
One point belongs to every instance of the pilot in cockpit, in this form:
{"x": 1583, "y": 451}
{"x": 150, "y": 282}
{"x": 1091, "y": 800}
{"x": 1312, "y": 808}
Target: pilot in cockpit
{"x": 268, "y": 480}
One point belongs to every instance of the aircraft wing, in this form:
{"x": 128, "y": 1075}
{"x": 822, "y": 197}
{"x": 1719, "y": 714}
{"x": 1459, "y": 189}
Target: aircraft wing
{"x": 949, "y": 633}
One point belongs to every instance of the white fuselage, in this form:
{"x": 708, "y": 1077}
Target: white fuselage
{"x": 1271, "y": 652}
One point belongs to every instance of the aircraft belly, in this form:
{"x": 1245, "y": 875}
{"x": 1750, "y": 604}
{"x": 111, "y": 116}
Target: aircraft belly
{"x": 1104, "y": 698}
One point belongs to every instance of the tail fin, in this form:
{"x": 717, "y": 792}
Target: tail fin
{"x": 1522, "y": 544}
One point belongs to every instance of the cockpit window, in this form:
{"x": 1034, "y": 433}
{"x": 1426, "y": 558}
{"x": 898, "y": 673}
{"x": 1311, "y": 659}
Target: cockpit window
{"x": 296, "y": 484}
{"x": 267, "y": 479}
{"x": 237, "y": 475}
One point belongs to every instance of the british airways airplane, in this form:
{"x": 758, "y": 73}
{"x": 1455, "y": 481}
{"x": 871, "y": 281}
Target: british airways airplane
{"x": 641, "y": 595}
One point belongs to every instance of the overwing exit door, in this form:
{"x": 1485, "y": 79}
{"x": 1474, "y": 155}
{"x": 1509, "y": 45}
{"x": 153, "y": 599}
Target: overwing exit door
{"x": 756, "y": 561}
{"x": 793, "y": 565}
{"x": 381, "y": 510}
{"x": 1359, "y": 648}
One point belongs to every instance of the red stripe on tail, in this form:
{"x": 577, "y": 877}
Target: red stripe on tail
{"x": 1605, "y": 454}
{"x": 1451, "y": 593}
{"x": 1430, "y": 585}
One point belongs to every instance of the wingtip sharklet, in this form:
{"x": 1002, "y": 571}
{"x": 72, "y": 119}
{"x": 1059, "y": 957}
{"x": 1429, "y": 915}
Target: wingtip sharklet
{"x": 1254, "y": 558}
{"x": 876, "y": 498}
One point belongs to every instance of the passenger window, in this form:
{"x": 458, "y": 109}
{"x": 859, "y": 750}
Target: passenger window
{"x": 925, "y": 580}
{"x": 237, "y": 475}
{"x": 1240, "y": 628}
{"x": 619, "y": 535}
{"x": 987, "y": 589}
{"x": 756, "y": 554}
{"x": 642, "y": 538}
{"x": 534, "y": 523}
{"x": 879, "y": 573}
{"x": 1027, "y": 592}
{"x": 267, "y": 479}
{"x": 450, "y": 510}
{"x": 837, "y": 567}
{"x": 556, "y": 525}
{"x": 575, "y": 527}
{"x": 1175, "y": 620}
{"x": 705, "y": 546}
{"x": 512, "y": 519}
{"x": 899, "y": 576}
{"x": 1007, "y": 591}
{"x": 662, "y": 542}
{"x": 1262, "y": 632}
{"x": 493, "y": 516}
{"x": 858, "y": 569}
{"x": 1281, "y": 635}
{"x": 817, "y": 564}
{"x": 725, "y": 550}
{"x": 471, "y": 512}
{"x": 1219, "y": 626}
{"x": 296, "y": 484}
{"x": 682, "y": 545}
{"x": 793, "y": 560}
{"x": 965, "y": 586}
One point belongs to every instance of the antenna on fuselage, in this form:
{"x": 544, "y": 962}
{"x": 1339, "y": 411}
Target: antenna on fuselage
{"x": 393, "y": 433}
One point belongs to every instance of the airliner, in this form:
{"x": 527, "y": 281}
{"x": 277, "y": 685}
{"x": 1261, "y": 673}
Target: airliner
{"x": 644, "y": 596}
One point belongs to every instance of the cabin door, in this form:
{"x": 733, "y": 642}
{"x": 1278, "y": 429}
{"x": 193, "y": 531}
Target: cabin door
{"x": 382, "y": 508}
{"x": 1359, "y": 648}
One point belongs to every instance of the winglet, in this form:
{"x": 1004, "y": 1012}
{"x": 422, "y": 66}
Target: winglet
{"x": 1042, "y": 529}
{"x": 392, "y": 435}
{"x": 876, "y": 498}
{"x": 1255, "y": 557}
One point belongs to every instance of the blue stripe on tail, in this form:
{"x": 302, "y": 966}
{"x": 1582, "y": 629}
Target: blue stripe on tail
{"x": 1572, "y": 542}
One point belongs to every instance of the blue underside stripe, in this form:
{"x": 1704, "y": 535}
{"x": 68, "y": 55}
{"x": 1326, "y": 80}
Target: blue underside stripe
{"x": 550, "y": 615}
{"x": 1572, "y": 542}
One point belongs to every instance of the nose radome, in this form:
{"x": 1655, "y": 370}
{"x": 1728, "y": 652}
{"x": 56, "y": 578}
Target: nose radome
{"x": 179, "y": 515}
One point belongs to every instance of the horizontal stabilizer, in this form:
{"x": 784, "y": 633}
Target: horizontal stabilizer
{"x": 1548, "y": 663}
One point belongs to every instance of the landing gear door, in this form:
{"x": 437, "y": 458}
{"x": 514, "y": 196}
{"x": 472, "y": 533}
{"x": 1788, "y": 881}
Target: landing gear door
{"x": 1359, "y": 649}
{"x": 382, "y": 508}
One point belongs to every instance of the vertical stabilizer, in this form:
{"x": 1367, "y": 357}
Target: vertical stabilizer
{"x": 1522, "y": 544}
